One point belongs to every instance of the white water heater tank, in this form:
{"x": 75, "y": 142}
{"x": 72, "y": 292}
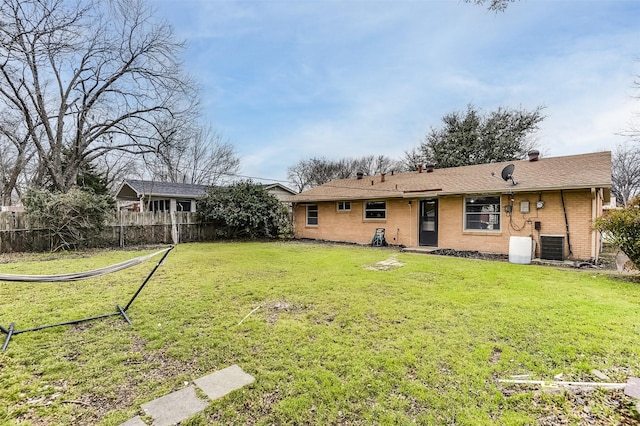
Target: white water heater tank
{"x": 520, "y": 249}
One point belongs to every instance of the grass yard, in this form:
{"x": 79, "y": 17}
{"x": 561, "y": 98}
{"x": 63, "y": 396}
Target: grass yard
{"x": 333, "y": 342}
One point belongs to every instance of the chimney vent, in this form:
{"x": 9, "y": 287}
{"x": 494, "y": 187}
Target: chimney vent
{"x": 534, "y": 154}
{"x": 430, "y": 167}
{"x": 359, "y": 175}
{"x": 419, "y": 168}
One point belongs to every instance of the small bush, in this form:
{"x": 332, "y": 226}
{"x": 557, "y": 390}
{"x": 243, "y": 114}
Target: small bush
{"x": 623, "y": 226}
{"x": 73, "y": 218}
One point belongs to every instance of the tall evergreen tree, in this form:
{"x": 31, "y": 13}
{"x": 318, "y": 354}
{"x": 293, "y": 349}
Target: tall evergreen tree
{"x": 476, "y": 138}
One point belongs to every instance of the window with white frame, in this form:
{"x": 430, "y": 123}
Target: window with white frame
{"x": 344, "y": 206}
{"x": 183, "y": 205}
{"x": 159, "y": 206}
{"x": 312, "y": 215}
{"x": 375, "y": 210}
{"x": 482, "y": 213}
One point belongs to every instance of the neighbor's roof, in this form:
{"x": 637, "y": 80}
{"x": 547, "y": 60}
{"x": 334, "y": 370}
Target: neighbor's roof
{"x": 134, "y": 189}
{"x": 554, "y": 173}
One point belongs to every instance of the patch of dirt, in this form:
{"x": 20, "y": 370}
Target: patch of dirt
{"x": 274, "y": 308}
{"x": 496, "y": 354}
{"x": 581, "y": 406}
{"x": 470, "y": 254}
{"x": 386, "y": 265}
{"x": 91, "y": 406}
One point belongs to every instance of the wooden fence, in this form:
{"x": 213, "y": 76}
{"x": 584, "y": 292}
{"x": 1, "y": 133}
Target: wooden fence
{"x": 125, "y": 229}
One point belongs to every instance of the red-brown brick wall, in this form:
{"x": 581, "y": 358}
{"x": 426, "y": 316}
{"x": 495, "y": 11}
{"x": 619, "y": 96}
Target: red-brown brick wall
{"x": 402, "y": 223}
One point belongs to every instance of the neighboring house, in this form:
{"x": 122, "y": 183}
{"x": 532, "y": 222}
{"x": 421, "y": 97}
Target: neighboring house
{"x": 552, "y": 200}
{"x": 279, "y": 191}
{"x": 145, "y": 195}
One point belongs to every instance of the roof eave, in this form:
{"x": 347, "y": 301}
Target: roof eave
{"x": 440, "y": 193}
{"x": 173, "y": 195}
{"x": 516, "y": 188}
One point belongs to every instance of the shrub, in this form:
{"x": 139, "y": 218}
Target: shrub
{"x": 244, "y": 210}
{"x": 73, "y": 218}
{"x": 623, "y": 225}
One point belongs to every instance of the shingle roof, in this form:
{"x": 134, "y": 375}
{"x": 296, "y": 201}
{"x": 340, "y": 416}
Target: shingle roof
{"x": 165, "y": 189}
{"x": 553, "y": 173}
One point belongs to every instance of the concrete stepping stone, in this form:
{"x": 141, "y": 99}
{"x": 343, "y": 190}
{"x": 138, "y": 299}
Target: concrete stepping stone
{"x": 136, "y": 421}
{"x": 178, "y": 406}
{"x": 174, "y": 407}
{"x": 633, "y": 387}
{"x": 220, "y": 383}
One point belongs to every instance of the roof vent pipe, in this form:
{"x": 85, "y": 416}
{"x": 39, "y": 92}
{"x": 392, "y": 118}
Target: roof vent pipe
{"x": 419, "y": 168}
{"x": 534, "y": 154}
{"x": 382, "y": 177}
{"x": 430, "y": 167}
{"x": 359, "y": 175}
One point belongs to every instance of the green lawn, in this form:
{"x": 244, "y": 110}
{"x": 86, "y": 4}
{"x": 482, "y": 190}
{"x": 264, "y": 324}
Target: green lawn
{"x": 333, "y": 342}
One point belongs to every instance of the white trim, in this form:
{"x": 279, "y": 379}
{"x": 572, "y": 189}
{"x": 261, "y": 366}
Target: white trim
{"x": 364, "y": 211}
{"x": 306, "y": 220}
{"x": 488, "y": 213}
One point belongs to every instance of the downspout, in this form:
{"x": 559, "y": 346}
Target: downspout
{"x": 566, "y": 222}
{"x": 594, "y": 213}
{"x": 410, "y": 225}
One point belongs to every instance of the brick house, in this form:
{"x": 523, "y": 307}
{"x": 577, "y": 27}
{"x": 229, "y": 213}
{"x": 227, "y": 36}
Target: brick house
{"x": 551, "y": 200}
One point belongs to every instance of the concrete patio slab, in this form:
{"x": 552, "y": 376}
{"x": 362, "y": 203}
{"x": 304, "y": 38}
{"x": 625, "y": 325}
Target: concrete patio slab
{"x": 174, "y": 407}
{"x": 220, "y": 383}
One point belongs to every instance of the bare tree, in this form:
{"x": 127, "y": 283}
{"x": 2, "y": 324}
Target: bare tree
{"x": 412, "y": 158}
{"x": 82, "y": 79}
{"x": 318, "y": 171}
{"x": 115, "y": 166}
{"x": 371, "y": 165}
{"x": 299, "y": 175}
{"x": 15, "y": 155}
{"x": 494, "y": 5}
{"x": 626, "y": 172}
{"x": 200, "y": 156}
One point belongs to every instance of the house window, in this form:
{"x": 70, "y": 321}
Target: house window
{"x": 375, "y": 210}
{"x": 344, "y": 206}
{"x": 312, "y": 215}
{"x": 159, "y": 206}
{"x": 183, "y": 205}
{"x": 482, "y": 213}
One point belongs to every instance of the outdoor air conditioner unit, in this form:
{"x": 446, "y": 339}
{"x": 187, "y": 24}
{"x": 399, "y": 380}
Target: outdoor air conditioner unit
{"x": 552, "y": 247}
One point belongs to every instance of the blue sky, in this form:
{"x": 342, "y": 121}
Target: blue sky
{"x": 289, "y": 80}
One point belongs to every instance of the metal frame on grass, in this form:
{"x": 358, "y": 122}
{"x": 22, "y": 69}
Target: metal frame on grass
{"x": 11, "y": 331}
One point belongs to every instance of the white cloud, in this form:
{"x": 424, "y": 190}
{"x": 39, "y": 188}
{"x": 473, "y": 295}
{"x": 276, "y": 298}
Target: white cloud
{"x": 290, "y": 80}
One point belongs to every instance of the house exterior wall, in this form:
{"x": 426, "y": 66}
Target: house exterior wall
{"x": 351, "y": 226}
{"x": 173, "y": 203}
{"x": 551, "y": 217}
{"x": 401, "y": 223}
{"x": 280, "y": 193}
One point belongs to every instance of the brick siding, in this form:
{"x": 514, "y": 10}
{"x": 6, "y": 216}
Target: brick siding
{"x": 401, "y": 224}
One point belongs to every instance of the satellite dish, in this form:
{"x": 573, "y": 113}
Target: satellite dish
{"x": 507, "y": 173}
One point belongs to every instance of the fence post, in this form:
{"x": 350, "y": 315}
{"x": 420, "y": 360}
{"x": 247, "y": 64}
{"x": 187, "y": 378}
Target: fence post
{"x": 174, "y": 227}
{"x": 121, "y": 229}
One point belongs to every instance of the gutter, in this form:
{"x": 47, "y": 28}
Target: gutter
{"x": 437, "y": 192}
